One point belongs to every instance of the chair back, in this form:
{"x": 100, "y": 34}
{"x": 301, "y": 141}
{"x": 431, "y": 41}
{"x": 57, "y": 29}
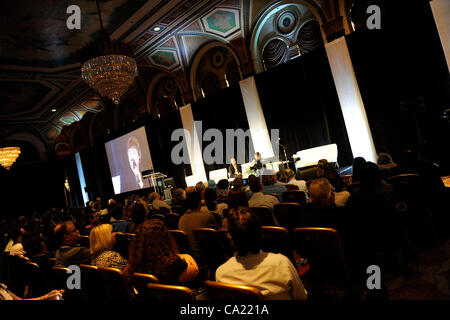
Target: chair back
{"x": 33, "y": 279}
{"x": 277, "y": 240}
{"x": 264, "y": 214}
{"x": 288, "y": 214}
{"x": 123, "y": 243}
{"x": 212, "y": 246}
{"x": 171, "y": 221}
{"x": 296, "y": 196}
{"x": 140, "y": 281}
{"x": 59, "y": 281}
{"x": 14, "y": 271}
{"x": 163, "y": 292}
{"x": 92, "y": 283}
{"x": 219, "y": 291}
{"x": 408, "y": 188}
{"x": 322, "y": 247}
{"x": 291, "y": 187}
{"x": 181, "y": 240}
{"x": 83, "y": 241}
{"x": 115, "y": 284}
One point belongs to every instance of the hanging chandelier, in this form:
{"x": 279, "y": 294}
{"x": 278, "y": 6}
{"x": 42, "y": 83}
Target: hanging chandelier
{"x": 8, "y": 156}
{"x": 108, "y": 66}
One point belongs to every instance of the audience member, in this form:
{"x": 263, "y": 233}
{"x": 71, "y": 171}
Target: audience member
{"x": 358, "y": 165}
{"x": 258, "y": 198}
{"x": 138, "y": 215}
{"x": 387, "y": 166}
{"x": 69, "y": 252}
{"x": 211, "y": 205}
{"x": 272, "y": 274}
{"x": 271, "y": 185}
{"x": 301, "y": 184}
{"x": 101, "y": 241}
{"x": 156, "y": 201}
{"x": 152, "y": 252}
{"x": 322, "y": 194}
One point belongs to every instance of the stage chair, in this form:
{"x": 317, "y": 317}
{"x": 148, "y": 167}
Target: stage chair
{"x": 277, "y": 240}
{"x": 140, "y": 281}
{"x": 288, "y": 214}
{"x": 92, "y": 283}
{"x": 219, "y": 291}
{"x": 83, "y": 241}
{"x": 213, "y": 247}
{"x": 115, "y": 284}
{"x": 181, "y": 240}
{"x": 164, "y": 292}
{"x": 122, "y": 243}
{"x": 291, "y": 187}
{"x": 264, "y": 214}
{"x": 322, "y": 247}
{"x": 294, "y": 196}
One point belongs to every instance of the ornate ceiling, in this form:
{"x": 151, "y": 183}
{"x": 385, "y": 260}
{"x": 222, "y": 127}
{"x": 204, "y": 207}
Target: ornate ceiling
{"x": 42, "y": 94}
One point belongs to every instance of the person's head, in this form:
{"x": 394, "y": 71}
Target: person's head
{"x": 179, "y": 194}
{"x": 269, "y": 177}
{"x": 101, "y": 238}
{"x": 211, "y": 184}
{"x": 254, "y": 184}
{"x": 116, "y": 211}
{"x": 66, "y": 233}
{"x": 320, "y": 167}
{"x": 138, "y": 213}
{"x": 358, "y": 164}
{"x": 222, "y": 184}
{"x": 320, "y": 192}
{"x": 237, "y": 198}
{"x": 245, "y": 230}
{"x": 134, "y": 153}
{"x": 290, "y": 174}
{"x": 210, "y": 199}
{"x": 384, "y": 158}
{"x": 233, "y": 161}
{"x": 257, "y": 156}
{"x": 200, "y": 187}
{"x": 237, "y": 183}
{"x": 193, "y": 201}
{"x": 152, "y": 251}
{"x": 154, "y": 196}
{"x": 370, "y": 175}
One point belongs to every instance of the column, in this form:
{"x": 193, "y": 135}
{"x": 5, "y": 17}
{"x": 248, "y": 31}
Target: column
{"x": 441, "y": 13}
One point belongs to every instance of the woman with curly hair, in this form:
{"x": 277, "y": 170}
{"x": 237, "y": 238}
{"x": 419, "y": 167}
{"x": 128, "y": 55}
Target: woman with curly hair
{"x": 152, "y": 252}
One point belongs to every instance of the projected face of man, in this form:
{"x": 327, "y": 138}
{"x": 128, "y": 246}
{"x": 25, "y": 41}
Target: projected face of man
{"x": 133, "y": 158}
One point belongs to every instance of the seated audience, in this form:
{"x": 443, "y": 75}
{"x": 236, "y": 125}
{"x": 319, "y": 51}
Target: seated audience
{"x": 358, "y": 164}
{"x": 301, "y": 184}
{"x": 69, "y": 252}
{"x": 200, "y": 188}
{"x": 387, "y": 166}
{"x": 5, "y": 294}
{"x": 195, "y": 218}
{"x": 258, "y": 198}
{"x": 237, "y": 198}
{"x": 14, "y": 246}
{"x": 222, "y": 190}
{"x": 157, "y": 202}
{"x": 152, "y": 252}
{"x": 138, "y": 215}
{"x": 101, "y": 242}
{"x": 211, "y": 205}
{"x": 272, "y": 274}
{"x": 271, "y": 185}
{"x": 118, "y": 221}
{"x": 322, "y": 195}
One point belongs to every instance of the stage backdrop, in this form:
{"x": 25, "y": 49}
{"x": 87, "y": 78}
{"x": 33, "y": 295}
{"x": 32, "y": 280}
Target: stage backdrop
{"x": 299, "y": 98}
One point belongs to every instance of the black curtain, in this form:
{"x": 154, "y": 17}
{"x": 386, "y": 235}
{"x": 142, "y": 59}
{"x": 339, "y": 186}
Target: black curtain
{"x": 223, "y": 110}
{"x": 299, "y": 98}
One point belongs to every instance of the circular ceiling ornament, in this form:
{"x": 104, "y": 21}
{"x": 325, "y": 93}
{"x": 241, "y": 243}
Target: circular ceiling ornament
{"x": 218, "y": 59}
{"x": 286, "y": 22}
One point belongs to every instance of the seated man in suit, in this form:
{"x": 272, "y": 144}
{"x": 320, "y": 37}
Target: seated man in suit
{"x": 234, "y": 169}
{"x": 70, "y": 253}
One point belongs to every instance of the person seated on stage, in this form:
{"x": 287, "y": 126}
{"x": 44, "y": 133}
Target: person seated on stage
{"x": 69, "y": 252}
{"x": 256, "y": 163}
{"x": 156, "y": 201}
{"x": 152, "y": 252}
{"x": 322, "y": 195}
{"x": 101, "y": 242}
{"x": 272, "y": 274}
{"x": 258, "y": 198}
{"x": 301, "y": 184}
{"x": 271, "y": 185}
{"x": 234, "y": 170}
{"x": 195, "y": 218}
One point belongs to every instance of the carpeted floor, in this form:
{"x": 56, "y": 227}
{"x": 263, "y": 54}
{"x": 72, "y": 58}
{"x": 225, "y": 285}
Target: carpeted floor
{"x": 428, "y": 278}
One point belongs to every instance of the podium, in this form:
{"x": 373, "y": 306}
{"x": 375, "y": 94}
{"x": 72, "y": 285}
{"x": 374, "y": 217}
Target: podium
{"x": 154, "y": 177}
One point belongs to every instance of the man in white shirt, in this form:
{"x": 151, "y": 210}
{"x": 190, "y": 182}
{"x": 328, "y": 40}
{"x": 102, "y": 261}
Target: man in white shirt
{"x": 272, "y": 274}
{"x": 301, "y": 184}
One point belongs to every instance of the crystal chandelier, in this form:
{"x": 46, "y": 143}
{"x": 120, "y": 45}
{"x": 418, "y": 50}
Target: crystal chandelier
{"x": 8, "y": 156}
{"x": 108, "y": 66}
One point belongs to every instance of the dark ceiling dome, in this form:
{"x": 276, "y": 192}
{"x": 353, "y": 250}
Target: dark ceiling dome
{"x": 274, "y": 53}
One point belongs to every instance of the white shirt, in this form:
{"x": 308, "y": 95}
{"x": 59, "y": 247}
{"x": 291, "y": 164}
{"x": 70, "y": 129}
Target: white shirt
{"x": 272, "y": 274}
{"x": 340, "y": 198}
{"x": 301, "y": 184}
{"x": 15, "y": 250}
{"x": 261, "y": 199}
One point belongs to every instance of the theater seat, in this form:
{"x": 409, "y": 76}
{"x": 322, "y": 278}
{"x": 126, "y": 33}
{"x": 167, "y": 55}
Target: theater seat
{"x": 220, "y": 291}
{"x": 163, "y": 292}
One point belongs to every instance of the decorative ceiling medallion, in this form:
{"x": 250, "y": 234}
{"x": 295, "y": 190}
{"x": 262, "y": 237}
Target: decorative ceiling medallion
{"x": 218, "y": 59}
{"x": 222, "y": 22}
{"x": 167, "y": 59}
{"x": 286, "y": 22}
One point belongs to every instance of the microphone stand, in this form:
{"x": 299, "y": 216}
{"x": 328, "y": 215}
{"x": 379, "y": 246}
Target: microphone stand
{"x": 284, "y": 152}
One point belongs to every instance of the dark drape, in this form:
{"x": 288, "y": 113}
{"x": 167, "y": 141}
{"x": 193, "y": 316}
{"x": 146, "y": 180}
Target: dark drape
{"x": 222, "y": 110}
{"x": 299, "y": 98}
